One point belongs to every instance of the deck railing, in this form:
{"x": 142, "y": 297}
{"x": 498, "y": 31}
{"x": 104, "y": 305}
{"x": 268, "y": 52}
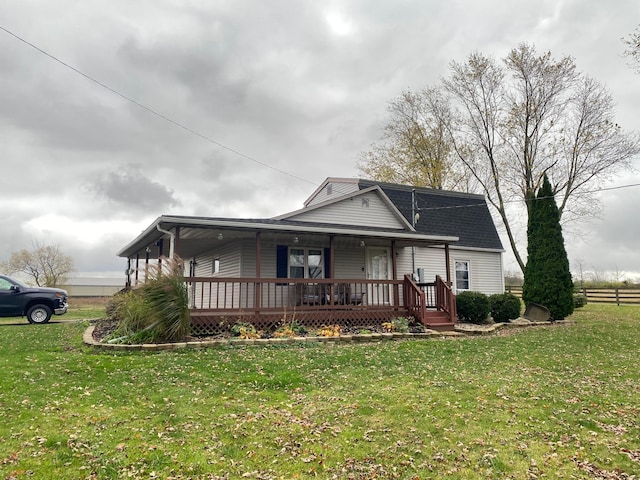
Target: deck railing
{"x": 269, "y": 302}
{"x": 416, "y": 298}
{"x": 420, "y": 297}
{"x": 445, "y": 298}
{"x": 264, "y": 294}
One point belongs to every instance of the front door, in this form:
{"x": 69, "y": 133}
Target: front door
{"x": 378, "y": 269}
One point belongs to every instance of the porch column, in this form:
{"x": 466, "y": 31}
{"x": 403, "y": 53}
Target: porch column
{"x": 146, "y": 263}
{"x": 258, "y": 289}
{"x": 394, "y": 273}
{"x": 447, "y": 261}
{"x": 160, "y": 253}
{"x": 128, "y": 281}
{"x": 176, "y": 242}
{"x": 332, "y": 256}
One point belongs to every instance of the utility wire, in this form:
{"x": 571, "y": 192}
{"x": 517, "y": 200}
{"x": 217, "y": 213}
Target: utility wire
{"x": 230, "y": 149}
{"x": 152, "y": 111}
{"x": 483, "y": 204}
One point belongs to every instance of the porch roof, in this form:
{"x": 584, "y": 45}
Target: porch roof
{"x": 215, "y": 226}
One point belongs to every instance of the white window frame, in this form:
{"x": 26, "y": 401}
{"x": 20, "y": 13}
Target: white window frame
{"x": 306, "y": 264}
{"x": 215, "y": 266}
{"x": 455, "y": 274}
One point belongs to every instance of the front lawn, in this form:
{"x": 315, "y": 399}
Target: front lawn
{"x": 544, "y": 402}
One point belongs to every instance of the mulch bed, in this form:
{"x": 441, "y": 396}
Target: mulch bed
{"x": 105, "y": 327}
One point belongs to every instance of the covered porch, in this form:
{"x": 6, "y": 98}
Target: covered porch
{"x": 235, "y": 274}
{"x": 270, "y": 303}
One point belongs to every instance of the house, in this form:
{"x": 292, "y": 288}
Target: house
{"x": 359, "y": 252}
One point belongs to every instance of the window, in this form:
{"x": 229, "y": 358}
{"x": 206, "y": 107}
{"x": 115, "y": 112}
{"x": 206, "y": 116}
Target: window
{"x": 463, "y": 280}
{"x": 216, "y": 266}
{"x": 5, "y": 284}
{"x": 306, "y": 263}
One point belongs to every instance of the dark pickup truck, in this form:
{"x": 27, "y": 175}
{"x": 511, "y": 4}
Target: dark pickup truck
{"x": 36, "y": 303}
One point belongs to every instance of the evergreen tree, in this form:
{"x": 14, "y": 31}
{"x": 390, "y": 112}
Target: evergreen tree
{"x": 547, "y": 278}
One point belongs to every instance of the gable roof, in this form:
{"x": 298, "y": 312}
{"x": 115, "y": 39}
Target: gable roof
{"x": 343, "y": 210}
{"x": 443, "y": 212}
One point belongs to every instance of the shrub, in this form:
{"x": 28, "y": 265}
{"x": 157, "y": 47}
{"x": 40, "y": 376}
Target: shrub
{"x": 290, "y": 330}
{"x": 399, "y": 324}
{"x": 244, "y": 330}
{"x": 579, "y": 300}
{"x": 157, "y": 311}
{"x": 472, "y": 307}
{"x": 504, "y": 307}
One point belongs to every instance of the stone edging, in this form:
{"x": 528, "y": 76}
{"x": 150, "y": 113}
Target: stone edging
{"x": 460, "y": 331}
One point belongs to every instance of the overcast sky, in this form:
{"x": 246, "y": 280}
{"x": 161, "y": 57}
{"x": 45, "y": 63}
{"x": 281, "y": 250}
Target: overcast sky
{"x": 301, "y": 86}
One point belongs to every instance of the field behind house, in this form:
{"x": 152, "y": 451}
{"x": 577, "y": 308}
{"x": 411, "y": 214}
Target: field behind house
{"x": 544, "y": 402}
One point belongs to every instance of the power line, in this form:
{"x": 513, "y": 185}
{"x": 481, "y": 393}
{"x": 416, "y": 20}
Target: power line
{"x": 618, "y": 187}
{"x": 152, "y": 111}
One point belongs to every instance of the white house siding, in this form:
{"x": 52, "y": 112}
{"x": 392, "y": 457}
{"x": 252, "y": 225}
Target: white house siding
{"x": 432, "y": 260}
{"x": 230, "y": 259}
{"x": 364, "y": 210}
{"x": 349, "y": 262}
{"x": 485, "y": 267}
{"x": 333, "y": 190}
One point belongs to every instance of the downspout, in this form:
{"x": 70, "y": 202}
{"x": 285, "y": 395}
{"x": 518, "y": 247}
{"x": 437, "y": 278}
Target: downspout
{"x": 172, "y": 240}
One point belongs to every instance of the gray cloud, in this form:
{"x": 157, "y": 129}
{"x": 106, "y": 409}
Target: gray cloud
{"x": 129, "y": 187}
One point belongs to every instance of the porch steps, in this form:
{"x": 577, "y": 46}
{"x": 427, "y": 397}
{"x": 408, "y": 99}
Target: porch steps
{"x": 439, "y": 321}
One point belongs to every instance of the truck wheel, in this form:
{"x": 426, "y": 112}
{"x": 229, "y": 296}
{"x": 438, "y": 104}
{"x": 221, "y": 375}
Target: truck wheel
{"x": 38, "y": 314}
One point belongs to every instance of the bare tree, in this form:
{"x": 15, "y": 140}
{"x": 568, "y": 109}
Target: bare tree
{"x": 415, "y": 148}
{"x": 45, "y": 264}
{"x": 633, "y": 48}
{"x": 529, "y": 116}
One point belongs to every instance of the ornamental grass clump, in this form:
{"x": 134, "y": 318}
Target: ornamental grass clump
{"x": 157, "y": 311}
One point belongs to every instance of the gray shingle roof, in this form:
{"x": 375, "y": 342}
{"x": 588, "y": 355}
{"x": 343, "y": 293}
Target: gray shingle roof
{"x": 444, "y": 212}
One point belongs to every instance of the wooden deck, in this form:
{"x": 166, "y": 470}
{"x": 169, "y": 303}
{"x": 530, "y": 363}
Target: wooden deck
{"x": 218, "y": 303}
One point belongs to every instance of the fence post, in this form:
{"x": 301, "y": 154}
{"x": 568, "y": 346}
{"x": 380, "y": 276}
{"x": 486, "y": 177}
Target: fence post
{"x": 617, "y": 297}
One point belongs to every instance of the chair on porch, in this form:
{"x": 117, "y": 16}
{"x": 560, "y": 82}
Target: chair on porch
{"x": 311, "y": 294}
{"x": 343, "y": 294}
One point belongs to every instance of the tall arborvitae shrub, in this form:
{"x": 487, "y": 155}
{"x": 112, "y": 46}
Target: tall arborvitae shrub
{"x": 547, "y": 278}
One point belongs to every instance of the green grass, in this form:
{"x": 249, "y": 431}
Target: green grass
{"x": 545, "y": 402}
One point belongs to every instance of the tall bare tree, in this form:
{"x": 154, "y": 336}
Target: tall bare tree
{"x": 45, "y": 264}
{"x": 633, "y": 48}
{"x": 533, "y": 115}
{"x": 498, "y": 127}
{"x": 415, "y": 148}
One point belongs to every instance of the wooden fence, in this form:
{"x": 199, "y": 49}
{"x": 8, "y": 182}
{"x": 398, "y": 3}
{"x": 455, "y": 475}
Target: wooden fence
{"x": 618, "y": 296}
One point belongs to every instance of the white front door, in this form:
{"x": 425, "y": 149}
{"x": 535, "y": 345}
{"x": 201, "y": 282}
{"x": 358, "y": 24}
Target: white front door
{"x": 378, "y": 268}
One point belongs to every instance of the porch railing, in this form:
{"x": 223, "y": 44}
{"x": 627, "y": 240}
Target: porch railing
{"x": 267, "y": 294}
{"x": 268, "y": 302}
{"x": 422, "y": 297}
